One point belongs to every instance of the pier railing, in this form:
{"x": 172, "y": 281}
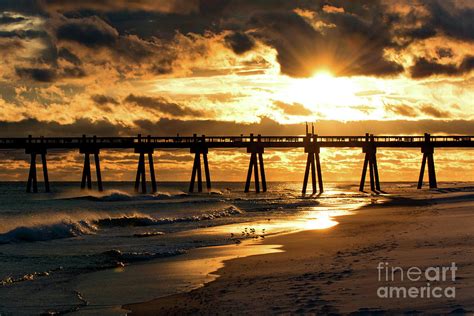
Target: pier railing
{"x": 235, "y": 141}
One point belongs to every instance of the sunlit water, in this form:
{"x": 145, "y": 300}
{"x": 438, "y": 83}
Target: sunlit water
{"x": 81, "y": 251}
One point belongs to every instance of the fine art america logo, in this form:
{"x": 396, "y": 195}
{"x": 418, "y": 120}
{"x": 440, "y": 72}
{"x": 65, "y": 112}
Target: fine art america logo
{"x": 429, "y": 283}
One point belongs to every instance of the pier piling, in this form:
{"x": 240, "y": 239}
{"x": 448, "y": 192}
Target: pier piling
{"x": 34, "y": 149}
{"x": 86, "y": 173}
{"x": 313, "y": 163}
{"x": 370, "y": 160}
{"x": 32, "y": 180}
{"x": 89, "y": 147}
{"x": 256, "y": 151}
{"x": 144, "y": 147}
{"x": 428, "y": 150}
{"x": 199, "y": 148}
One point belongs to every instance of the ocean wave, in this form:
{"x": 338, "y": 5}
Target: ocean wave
{"x": 147, "y": 234}
{"x": 63, "y": 229}
{"x": 118, "y": 257}
{"x": 166, "y": 197}
{"x": 263, "y": 205}
{"x": 137, "y": 220}
{"x": 9, "y": 280}
{"x": 70, "y": 228}
{"x": 119, "y": 196}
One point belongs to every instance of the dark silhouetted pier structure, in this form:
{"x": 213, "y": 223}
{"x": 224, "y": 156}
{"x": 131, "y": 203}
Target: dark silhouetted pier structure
{"x": 255, "y": 149}
{"x": 199, "y": 149}
{"x": 255, "y": 146}
{"x": 86, "y": 170}
{"x": 144, "y": 147}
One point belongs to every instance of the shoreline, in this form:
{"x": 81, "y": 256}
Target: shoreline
{"x": 334, "y": 264}
{"x": 195, "y": 268}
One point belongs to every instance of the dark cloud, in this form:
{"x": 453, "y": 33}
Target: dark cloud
{"x": 21, "y": 6}
{"x": 401, "y": 109}
{"x": 451, "y": 20}
{"x": 6, "y": 19}
{"x": 434, "y": 112}
{"x": 170, "y": 127}
{"x": 292, "y": 109}
{"x": 351, "y": 47}
{"x": 49, "y": 75}
{"x": 67, "y": 55}
{"x": 73, "y": 72}
{"x": 293, "y": 38}
{"x": 444, "y": 52}
{"x": 163, "y": 6}
{"x": 162, "y": 105}
{"x": 467, "y": 64}
{"x": 91, "y": 32}
{"x": 95, "y": 33}
{"x": 104, "y": 99}
{"x": 23, "y": 34}
{"x": 426, "y": 68}
{"x": 82, "y": 126}
{"x": 104, "y": 102}
{"x": 421, "y": 33}
{"x": 37, "y": 74}
{"x": 163, "y": 67}
{"x": 266, "y": 126}
{"x": 239, "y": 42}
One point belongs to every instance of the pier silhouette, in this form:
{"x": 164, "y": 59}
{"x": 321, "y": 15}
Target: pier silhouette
{"x": 254, "y": 144}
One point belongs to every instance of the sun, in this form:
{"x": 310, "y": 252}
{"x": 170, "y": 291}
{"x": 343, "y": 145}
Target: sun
{"x": 323, "y": 75}
{"x": 322, "y": 92}
{"x": 323, "y": 88}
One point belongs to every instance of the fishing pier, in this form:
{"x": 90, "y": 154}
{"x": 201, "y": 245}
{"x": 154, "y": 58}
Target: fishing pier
{"x": 255, "y": 145}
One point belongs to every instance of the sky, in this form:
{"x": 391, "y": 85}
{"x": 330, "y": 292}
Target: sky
{"x": 162, "y": 67}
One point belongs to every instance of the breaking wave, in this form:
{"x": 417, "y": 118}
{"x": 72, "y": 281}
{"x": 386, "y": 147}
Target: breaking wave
{"x": 70, "y": 228}
{"x": 119, "y": 196}
{"x": 64, "y": 229}
{"x": 150, "y": 221}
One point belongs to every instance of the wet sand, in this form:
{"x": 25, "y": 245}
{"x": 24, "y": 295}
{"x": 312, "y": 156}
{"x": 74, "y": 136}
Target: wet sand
{"x": 334, "y": 270}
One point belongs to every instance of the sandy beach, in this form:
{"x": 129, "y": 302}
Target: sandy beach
{"x": 335, "y": 270}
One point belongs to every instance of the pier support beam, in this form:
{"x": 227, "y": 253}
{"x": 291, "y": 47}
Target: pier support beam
{"x": 33, "y": 150}
{"x": 313, "y": 163}
{"x": 32, "y": 183}
{"x": 370, "y": 160}
{"x": 144, "y": 148}
{"x": 86, "y": 173}
{"x": 256, "y": 151}
{"x": 32, "y": 180}
{"x": 428, "y": 151}
{"x": 90, "y": 148}
{"x": 86, "y": 170}
{"x": 198, "y": 149}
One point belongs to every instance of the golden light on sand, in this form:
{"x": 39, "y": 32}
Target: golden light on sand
{"x": 321, "y": 219}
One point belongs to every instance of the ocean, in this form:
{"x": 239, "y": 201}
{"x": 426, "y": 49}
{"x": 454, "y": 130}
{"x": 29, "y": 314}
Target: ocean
{"x": 81, "y": 252}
